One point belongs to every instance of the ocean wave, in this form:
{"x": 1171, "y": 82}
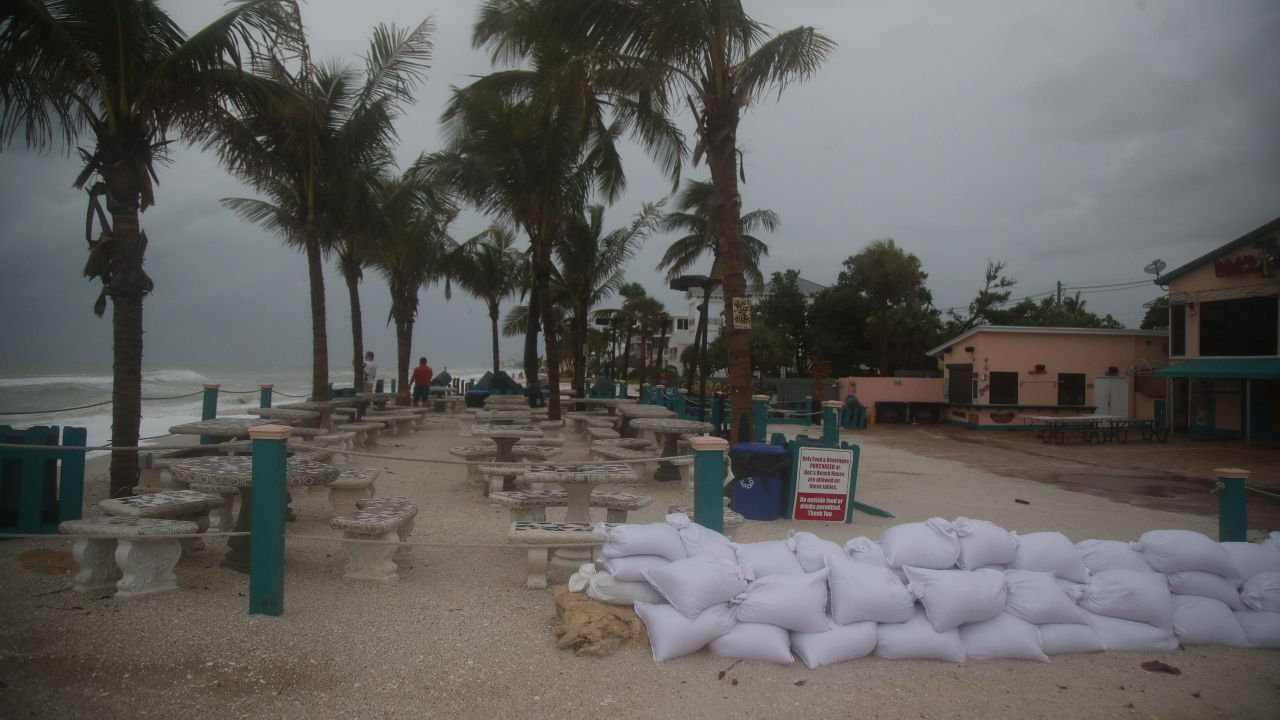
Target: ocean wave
{"x": 174, "y": 376}
{"x": 76, "y": 380}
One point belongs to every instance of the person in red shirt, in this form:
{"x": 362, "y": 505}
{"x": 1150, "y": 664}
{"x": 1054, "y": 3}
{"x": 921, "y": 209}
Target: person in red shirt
{"x": 421, "y": 380}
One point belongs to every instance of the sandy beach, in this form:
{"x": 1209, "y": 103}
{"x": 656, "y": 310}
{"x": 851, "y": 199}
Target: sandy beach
{"x": 460, "y": 635}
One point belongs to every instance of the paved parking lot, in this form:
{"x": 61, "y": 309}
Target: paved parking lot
{"x": 1177, "y": 475}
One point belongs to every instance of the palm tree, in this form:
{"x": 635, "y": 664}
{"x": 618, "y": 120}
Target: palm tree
{"x": 531, "y": 144}
{"x": 591, "y": 269}
{"x": 692, "y": 217}
{"x": 411, "y": 250}
{"x": 714, "y": 53}
{"x": 123, "y": 71}
{"x": 489, "y": 267}
{"x": 330, "y": 129}
{"x": 631, "y": 294}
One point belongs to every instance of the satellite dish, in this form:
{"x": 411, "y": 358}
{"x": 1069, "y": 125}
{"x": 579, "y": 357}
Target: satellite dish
{"x": 1155, "y": 267}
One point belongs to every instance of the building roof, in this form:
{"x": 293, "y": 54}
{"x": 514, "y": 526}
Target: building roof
{"x": 1253, "y": 236}
{"x": 1225, "y": 368}
{"x": 1031, "y": 330}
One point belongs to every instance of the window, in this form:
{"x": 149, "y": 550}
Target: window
{"x": 1238, "y": 327}
{"x": 1004, "y": 388}
{"x": 1071, "y": 388}
{"x": 682, "y": 323}
{"x": 1178, "y": 330}
{"x": 959, "y": 385}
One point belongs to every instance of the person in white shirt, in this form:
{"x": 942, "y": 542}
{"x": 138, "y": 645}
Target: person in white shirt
{"x": 370, "y": 372}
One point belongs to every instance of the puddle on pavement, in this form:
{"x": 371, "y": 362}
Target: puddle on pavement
{"x": 1163, "y": 488}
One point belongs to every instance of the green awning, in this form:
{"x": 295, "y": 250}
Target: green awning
{"x": 1237, "y": 368}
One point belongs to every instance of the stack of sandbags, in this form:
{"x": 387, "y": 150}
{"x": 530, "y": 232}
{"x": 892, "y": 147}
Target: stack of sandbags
{"x": 1204, "y": 582}
{"x": 1259, "y": 598}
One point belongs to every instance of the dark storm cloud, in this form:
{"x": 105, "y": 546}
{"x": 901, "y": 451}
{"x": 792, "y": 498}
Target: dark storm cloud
{"x": 1076, "y": 140}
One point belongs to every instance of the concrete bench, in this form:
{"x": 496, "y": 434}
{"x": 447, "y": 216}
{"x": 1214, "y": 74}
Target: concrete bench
{"x": 531, "y": 505}
{"x": 732, "y": 520}
{"x": 577, "y": 421}
{"x": 366, "y": 432}
{"x": 133, "y": 555}
{"x": 502, "y": 476}
{"x": 556, "y": 439}
{"x": 402, "y": 423}
{"x": 406, "y": 527}
{"x": 541, "y": 537}
{"x": 380, "y": 521}
{"x": 628, "y": 443}
{"x": 352, "y": 486}
{"x": 534, "y": 452}
{"x": 472, "y": 454}
{"x": 188, "y": 505}
{"x": 595, "y": 433}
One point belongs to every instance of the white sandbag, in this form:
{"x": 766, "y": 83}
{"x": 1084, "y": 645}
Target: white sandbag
{"x": 1261, "y": 629}
{"x": 983, "y": 544}
{"x": 1117, "y": 634}
{"x": 916, "y": 639}
{"x": 1203, "y": 584}
{"x": 695, "y": 584}
{"x": 646, "y": 539}
{"x": 954, "y": 597}
{"x": 866, "y": 550}
{"x": 931, "y": 544}
{"x": 861, "y": 592}
{"x": 602, "y": 586}
{"x": 1273, "y": 539}
{"x": 1128, "y": 595}
{"x": 1205, "y": 621}
{"x": 755, "y": 641}
{"x": 793, "y": 602}
{"x": 1069, "y": 586}
{"x": 1171, "y": 551}
{"x": 699, "y": 540}
{"x": 1099, "y": 555}
{"x": 1003, "y": 637}
{"x": 1253, "y": 558}
{"x": 1037, "y": 599}
{"x": 1063, "y": 638}
{"x": 1049, "y": 552}
{"x": 837, "y": 644}
{"x": 630, "y": 567}
{"x": 672, "y": 635}
{"x": 771, "y": 557}
{"x": 1262, "y": 592}
{"x": 811, "y": 550}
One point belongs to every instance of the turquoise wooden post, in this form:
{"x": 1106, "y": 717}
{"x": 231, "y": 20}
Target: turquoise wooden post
{"x": 71, "y": 475}
{"x": 708, "y": 481}
{"x": 330, "y": 391}
{"x": 31, "y": 499}
{"x": 209, "y": 410}
{"x": 760, "y": 423}
{"x": 393, "y": 386}
{"x": 644, "y": 393}
{"x": 266, "y": 551}
{"x": 264, "y": 396}
{"x": 660, "y": 396}
{"x": 622, "y": 390}
{"x": 680, "y": 403}
{"x": 1232, "y": 518}
{"x": 831, "y": 423}
{"x": 717, "y": 413}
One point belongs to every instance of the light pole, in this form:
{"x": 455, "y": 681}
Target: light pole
{"x": 684, "y": 283}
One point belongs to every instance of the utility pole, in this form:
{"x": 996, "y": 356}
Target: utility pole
{"x": 1059, "y": 292}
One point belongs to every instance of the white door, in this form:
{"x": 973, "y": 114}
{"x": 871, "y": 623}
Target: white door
{"x": 1111, "y": 395}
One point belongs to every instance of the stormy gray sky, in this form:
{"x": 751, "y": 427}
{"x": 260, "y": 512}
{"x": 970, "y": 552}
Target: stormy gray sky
{"x": 1075, "y": 140}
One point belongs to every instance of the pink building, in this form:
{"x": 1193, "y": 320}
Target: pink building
{"x": 1224, "y": 339}
{"x": 996, "y": 375}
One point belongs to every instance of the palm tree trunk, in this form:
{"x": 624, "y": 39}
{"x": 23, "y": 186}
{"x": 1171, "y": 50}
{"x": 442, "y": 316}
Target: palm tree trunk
{"x": 127, "y": 290}
{"x": 626, "y": 356}
{"x": 550, "y": 328}
{"x": 319, "y": 338}
{"x": 352, "y": 276}
{"x": 724, "y": 220}
{"x": 404, "y": 345}
{"x": 580, "y": 352}
{"x": 493, "y": 327}
{"x": 531, "y": 347}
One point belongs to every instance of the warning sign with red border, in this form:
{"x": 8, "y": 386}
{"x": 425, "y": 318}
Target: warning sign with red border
{"x": 822, "y": 484}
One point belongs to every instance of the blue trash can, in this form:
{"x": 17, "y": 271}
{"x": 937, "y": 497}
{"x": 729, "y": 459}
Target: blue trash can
{"x": 761, "y": 473}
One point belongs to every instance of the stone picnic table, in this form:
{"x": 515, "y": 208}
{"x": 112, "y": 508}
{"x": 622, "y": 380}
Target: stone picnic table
{"x": 326, "y": 408}
{"x": 225, "y": 475}
{"x": 225, "y": 428}
{"x": 379, "y": 400}
{"x": 636, "y": 411}
{"x": 669, "y": 431}
{"x": 504, "y": 438}
{"x": 578, "y": 480}
{"x": 289, "y": 415}
{"x": 503, "y": 417}
{"x": 612, "y": 404}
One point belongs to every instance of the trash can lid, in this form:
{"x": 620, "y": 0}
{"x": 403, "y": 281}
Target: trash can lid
{"x": 752, "y": 448}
